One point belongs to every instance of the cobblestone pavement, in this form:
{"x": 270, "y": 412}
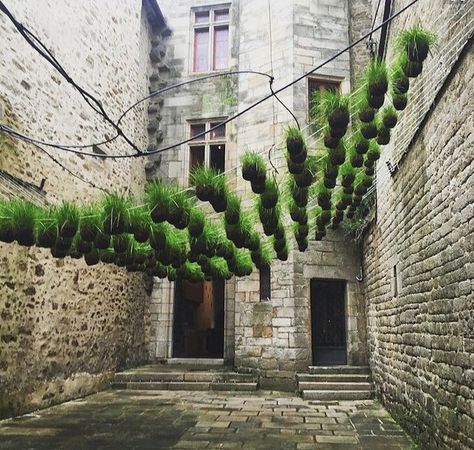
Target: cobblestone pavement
{"x": 204, "y": 420}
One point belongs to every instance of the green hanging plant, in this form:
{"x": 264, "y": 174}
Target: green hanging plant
{"x": 172, "y": 274}
{"x": 399, "y": 82}
{"x": 294, "y": 168}
{"x": 90, "y": 223}
{"x": 411, "y": 69}
{"x": 302, "y": 244}
{"x": 102, "y": 240}
{"x": 337, "y": 156}
{"x": 306, "y": 178}
{"x": 268, "y": 217}
{"x": 225, "y": 249}
{"x": 294, "y": 142}
{"x": 82, "y": 246}
{"x": 140, "y": 223}
{"x": 7, "y": 227}
{"x": 115, "y": 214}
{"x": 365, "y": 112}
{"x": 298, "y": 214}
{"x": 323, "y": 196}
{"x": 67, "y": 218}
{"x": 107, "y": 256}
{"x": 196, "y": 222}
{"x": 279, "y": 244}
{"x": 389, "y": 117}
{"x": 241, "y": 265}
{"x": 347, "y": 174}
{"x": 361, "y": 144}
{"x": 356, "y": 159}
{"x": 46, "y": 228}
{"x": 233, "y": 210}
{"x": 121, "y": 243}
{"x": 335, "y": 109}
{"x": 374, "y": 152}
{"x": 416, "y": 43}
{"x": 383, "y": 135}
{"x": 23, "y": 215}
{"x": 376, "y": 77}
{"x": 369, "y": 130}
{"x": 370, "y": 171}
{"x": 270, "y": 196}
{"x": 157, "y": 197}
{"x": 63, "y": 243}
{"x": 400, "y": 101}
{"x": 280, "y": 230}
{"x": 253, "y": 167}
{"x": 59, "y": 253}
{"x": 330, "y": 141}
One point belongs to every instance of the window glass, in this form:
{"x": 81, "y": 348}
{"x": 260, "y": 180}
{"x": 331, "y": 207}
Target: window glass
{"x": 221, "y": 47}
{"x": 218, "y": 133}
{"x": 217, "y": 157}
{"x": 197, "y": 128}
{"x": 196, "y": 157}
{"x": 265, "y": 284}
{"x": 221, "y": 15}
{"x": 201, "y": 17}
{"x": 201, "y": 50}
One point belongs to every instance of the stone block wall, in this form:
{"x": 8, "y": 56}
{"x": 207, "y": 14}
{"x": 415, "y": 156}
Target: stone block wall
{"x": 66, "y": 327}
{"x": 419, "y": 260}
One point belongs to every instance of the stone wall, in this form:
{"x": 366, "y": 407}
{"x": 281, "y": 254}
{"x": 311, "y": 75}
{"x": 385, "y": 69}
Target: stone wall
{"x": 66, "y": 327}
{"x": 421, "y": 321}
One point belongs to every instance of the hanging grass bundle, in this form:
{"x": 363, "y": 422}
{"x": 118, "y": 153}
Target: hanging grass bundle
{"x": 268, "y": 217}
{"x": 219, "y": 192}
{"x": 366, "y": 113}
{"x": 370, "y": 171}
{"x": 219, "y": 269}
{"x": 102, "y": 240}
{"x": 348, "y": 189}
{"x": 67, "y": 218}
{"x": 400, "y": 101}
{"x": 299, "y": 158}
{"x": 202, "y": 178}
{"x": 330, "y": 141}
{"x": 261, "y": 258}
{"x": 389, "y": 117}
{"x": 356, "y": 160}
{"x": 319, "y": 235}
{"x": 253, "y": 167}
{"x": 7, "y": 228}
{"x": 368, "y": 181}
{"x": 232, "y": 212}
{"x": 121, "y": 242}
{"x": 225, "y": 249}
{"x": 159, "y": 270}
{"x": 172, "y": 275}
{"x": 270, "y": 196}
{"x": 191, "y": 272}
{"x": 399, "y": 82}
{"x": 140, "y": 223}
{"x": 63, "y": 243}
{"x": 82, "y": 246}
{"x": 90, "y": 224}
{"x": 22, "y": 215}
{"x": 252, "y": 241}
{"x": 323, "y": 196}
{"x": 300, "y": 231}
{"x": 74, "y": 253}
{"x": 330, "y": 170}
{"x": 374, "y": 152}
{"x": 294, "y": 141}
{"x": 369, "y": 130}
{"x": 302, "y": 244}
{"x": 411, "y": 69}
{"x": 360, "y": 189}
{"x": 294, "y": 168}
{"x": 46, "y": 229}
{"x": 337, "y": 156}
{"x": 299, "y": 195}
{"x": 107, "y": 256}
{"x": 59, "y": 253}
{"x": 383, "y": 136}
{"x": 92, "y": 258}
{"x": 356, "y": 200}
{"x": 279, "y": 244}
{"x": 347, "y": 174}
{"x": 242, "y": 264}
{"x": 298, "y": 214}
{"x": 376, "y": 76}
{"x": 282, "y": 255}
{"x": 115, "y": 214}
{"x": 335, "y": 109}
{"x": 416, "y": 43}
{"x": 196, "y": 222}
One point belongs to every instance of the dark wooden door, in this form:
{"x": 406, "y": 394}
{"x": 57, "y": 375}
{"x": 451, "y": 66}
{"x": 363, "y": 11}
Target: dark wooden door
{"x": 328, "y": 321}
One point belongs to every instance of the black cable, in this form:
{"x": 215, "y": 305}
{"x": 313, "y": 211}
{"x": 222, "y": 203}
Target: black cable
{"x": 371, "y": 44}
{"x": 37, "y": 45}
{"x": 244, "y": 111}
{"x": 284, "y": 106}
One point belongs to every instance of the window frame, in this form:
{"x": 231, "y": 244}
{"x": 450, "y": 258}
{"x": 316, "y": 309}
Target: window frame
{"x": 206, "y": 141}
{"x": 211, "y": 25}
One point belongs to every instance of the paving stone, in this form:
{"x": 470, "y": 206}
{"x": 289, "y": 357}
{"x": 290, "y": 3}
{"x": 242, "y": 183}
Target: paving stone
{"x": 202, "y": 420}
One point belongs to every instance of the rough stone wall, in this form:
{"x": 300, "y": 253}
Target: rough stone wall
{"x": 66, "y": 327}
{"x": 420, "y": 324}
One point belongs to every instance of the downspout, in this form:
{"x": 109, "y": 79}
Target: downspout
{"x": 384, "y": 31}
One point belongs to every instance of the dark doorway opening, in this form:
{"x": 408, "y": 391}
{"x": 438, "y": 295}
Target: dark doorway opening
{"x": 198, "y": 329}
{"x": 328, "y": 322}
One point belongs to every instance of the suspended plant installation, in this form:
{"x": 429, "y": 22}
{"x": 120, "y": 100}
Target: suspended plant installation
{"x": 254, "y": 170}
{"x": 115, "y": 214}
{"x": 210, "y": 186}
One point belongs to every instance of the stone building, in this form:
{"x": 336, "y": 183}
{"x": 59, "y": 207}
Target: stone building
{"x": 399, "y": 300}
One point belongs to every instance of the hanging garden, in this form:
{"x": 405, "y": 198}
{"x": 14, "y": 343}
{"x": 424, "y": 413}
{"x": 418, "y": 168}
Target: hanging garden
{"x": 172, "y": 236}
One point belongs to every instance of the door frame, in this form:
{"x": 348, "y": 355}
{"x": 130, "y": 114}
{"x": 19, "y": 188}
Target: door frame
{"x": 346, "y": 316}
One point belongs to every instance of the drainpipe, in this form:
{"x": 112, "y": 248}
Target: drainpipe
{"x": 384, "y": 31}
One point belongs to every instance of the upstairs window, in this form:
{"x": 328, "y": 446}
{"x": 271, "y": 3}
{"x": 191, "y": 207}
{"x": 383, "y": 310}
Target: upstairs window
{"x": 211, "y": 39}
{"x": 207, "y": 150}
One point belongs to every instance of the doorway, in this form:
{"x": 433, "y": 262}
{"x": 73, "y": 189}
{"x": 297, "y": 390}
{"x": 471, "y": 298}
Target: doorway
{"x": 198, "y": 327}
{"x": 328, "y": 322}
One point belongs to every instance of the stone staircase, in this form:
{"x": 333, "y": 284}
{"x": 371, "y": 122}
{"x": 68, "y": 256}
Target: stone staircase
{"x": 335, "y": 383}
{"x": 185, "y": 377}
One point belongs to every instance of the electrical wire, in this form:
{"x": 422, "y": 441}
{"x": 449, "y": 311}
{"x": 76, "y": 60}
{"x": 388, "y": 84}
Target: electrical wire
{"x": 240, "y": 113}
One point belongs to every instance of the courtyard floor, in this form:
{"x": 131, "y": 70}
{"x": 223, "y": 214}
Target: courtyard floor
{"x": 204, "y": 420}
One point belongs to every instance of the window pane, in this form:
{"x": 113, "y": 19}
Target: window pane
{"x": 196, "y": 157}
{"x": 218, "y": 133}
{"x": 201, "y": 17}
{"x": 222, "y": 14}
{"x": 197, "y": 128}
{"x": 217, "y": 157}
{"x": 221, "y": 47}
{"x": 201, "y": 50}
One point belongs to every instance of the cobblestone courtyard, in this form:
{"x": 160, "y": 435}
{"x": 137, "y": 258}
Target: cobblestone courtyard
{"x": 204, "y": 420}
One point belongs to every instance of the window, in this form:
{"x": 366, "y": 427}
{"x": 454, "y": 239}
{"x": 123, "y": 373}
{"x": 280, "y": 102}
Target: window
{"x": 211, "y": 39}
{"x": 265, "y": 284}
{"x": 208, "y": 150}
{"x": 315, "y": 85}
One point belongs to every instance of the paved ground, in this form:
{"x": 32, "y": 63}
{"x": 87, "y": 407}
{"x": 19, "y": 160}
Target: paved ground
{"x": 204, "y": 420}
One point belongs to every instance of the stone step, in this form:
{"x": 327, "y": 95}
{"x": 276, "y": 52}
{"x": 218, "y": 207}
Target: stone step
{"x": 328, "y": 386}
{"x": 181, "y": 376}
{"x": 336, "y": 377}
{"x": 326, "y": 370}
{"x": 325, "y": 395}
{"x": 185, "y": 386}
